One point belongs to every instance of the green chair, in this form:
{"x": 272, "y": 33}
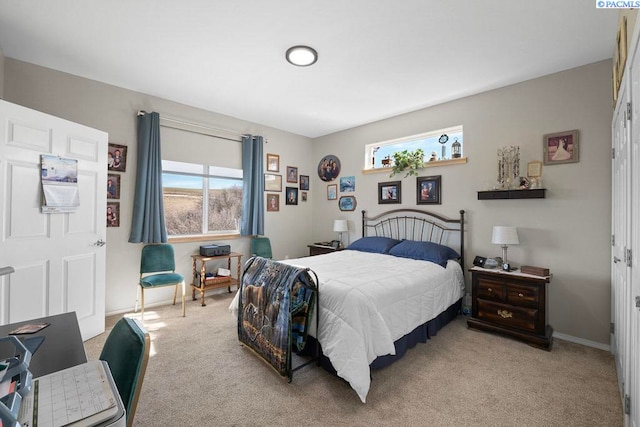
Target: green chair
{"x": 126, "y": 351}
{"x": 157, "y": 269}
{"x": 261, "y": 246}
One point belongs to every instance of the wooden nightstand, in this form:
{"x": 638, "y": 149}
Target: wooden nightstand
{"x": 511, "y": 303}
{"x": 321, "y": 249}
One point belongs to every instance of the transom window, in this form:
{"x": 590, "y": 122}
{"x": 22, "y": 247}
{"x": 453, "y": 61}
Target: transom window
{"x": 201, "y": 199}
{"x": 380, "y": 154}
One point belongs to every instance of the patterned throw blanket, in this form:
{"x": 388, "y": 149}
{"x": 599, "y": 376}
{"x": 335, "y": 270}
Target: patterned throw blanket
{"x": 275, "y": 306}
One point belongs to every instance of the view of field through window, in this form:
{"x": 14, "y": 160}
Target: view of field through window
{"x": 184, "y": 198}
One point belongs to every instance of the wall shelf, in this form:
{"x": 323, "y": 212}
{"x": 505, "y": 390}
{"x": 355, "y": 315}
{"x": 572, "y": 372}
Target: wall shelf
{"x": 538, "y": 193}
{"x": 448, "y": 162}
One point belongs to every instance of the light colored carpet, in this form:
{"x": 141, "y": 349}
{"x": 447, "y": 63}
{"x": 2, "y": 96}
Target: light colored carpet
{"x": 199, "y": 374}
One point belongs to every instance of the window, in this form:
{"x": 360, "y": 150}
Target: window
{"x": 187, "y": 204}
{"x": 380, "y": 154}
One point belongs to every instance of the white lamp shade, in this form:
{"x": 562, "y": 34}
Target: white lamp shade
{"x": 340, "y": 225}
{"x": 505, "y": 235}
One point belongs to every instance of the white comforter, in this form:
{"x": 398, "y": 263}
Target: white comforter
{"x": 367, "y": 301}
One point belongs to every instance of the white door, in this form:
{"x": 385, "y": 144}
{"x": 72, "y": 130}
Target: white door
{"x": 634, "y": 314}
{"x": 621, "y": 291}
{"x": 58, "y": 258}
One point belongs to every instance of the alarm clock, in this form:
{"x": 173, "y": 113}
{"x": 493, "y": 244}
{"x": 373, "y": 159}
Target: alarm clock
{"x": 506, "y": 267}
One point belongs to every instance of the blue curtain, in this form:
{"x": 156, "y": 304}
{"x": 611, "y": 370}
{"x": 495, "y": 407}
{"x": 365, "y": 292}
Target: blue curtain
{"x": 252, "y": 222}
{"x": 147, "y": 224}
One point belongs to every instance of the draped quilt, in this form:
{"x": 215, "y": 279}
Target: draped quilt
{"x": 274, "y": 309}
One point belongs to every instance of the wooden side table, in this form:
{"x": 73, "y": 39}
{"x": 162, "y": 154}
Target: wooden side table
{"x": 511, "y": 303}
{"x": 321, "y": 249}
{"x": 201, "y": 283}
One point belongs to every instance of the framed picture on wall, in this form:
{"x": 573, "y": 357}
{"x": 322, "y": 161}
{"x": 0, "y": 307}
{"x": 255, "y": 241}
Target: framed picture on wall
{"x": 272, "y": 182}
{"x": 428, "y": 190}
{"x": 389, "y": 192}
{"x": 292, "y": 174}
{"x": 292, "y": 196}
{"x": 273, "y": 202}
{"x": 561, "y": 147}
{"x": 304, "y": 182}
{"x": 113, "y": 214}
{"x": 347, "y": 203}
{"x": 117, "y": 157}
{"x": 332, "y": 192}
{"x": 273, "y": 162}
{"x": 113, "y": 186}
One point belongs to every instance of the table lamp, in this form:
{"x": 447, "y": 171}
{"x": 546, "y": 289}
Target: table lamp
{"x": 340, "y": 226}
{"x": 504, "y": 235}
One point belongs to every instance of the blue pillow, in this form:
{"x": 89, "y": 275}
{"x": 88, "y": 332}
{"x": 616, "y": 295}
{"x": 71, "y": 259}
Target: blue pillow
{"x": 375, "y": 244}
{"x": 426, "y": 251}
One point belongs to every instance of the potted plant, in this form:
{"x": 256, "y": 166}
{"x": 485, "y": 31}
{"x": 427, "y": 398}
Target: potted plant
{"x": 407, "y": 160}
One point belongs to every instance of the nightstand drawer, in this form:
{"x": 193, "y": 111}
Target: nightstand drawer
{"x": 491, "y": 289}
{"x": 508, "y": 315}
{"x": 523, "y": 296}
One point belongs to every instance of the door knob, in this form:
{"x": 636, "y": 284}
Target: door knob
{"x": 616, "y": 260}
{"x": 100, "y": 243}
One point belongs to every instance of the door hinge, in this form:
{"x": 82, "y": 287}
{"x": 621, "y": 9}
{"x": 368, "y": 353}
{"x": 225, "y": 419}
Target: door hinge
{"x": 629, "y": 111}
{"x": 612, "y": 328}
{"x": 637, "y": 301}
{"x": 613, "y": 153}
{"x": 628, "y": 257}
{"x": 627, "y": 404}
{"x": 613, "y": 240}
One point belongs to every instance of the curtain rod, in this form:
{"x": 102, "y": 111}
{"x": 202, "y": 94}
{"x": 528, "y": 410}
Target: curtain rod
{"x": 197, "y": 128}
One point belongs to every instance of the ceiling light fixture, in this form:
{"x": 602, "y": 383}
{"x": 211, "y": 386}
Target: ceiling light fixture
{"x": 301, "y": 56}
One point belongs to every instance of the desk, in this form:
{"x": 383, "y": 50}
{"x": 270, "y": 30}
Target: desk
{"x": 62, "y": 346}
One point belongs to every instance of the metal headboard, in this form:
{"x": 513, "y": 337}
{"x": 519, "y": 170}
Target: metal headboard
{"x": 414, "y": 224}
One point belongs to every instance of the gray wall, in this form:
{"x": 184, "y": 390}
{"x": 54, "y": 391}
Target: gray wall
{"x": 1, "y": 74}
{"x": 113, "y": 110}
{"x": 568, "y": 232}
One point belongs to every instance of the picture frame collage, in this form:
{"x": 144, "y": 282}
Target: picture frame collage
{"x": 329, "y": 171}
{"x": 116, "y": 165}
{"x": 273, "y": 184}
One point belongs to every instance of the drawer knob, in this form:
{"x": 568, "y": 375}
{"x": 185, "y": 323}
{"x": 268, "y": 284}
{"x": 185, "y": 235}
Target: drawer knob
{"x": 489, "y": 289}
{"x": 520, "y": 295}
{"x": 505, "y": 314}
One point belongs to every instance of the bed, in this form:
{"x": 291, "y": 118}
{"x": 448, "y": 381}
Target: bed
{"x": 381, "y": 296}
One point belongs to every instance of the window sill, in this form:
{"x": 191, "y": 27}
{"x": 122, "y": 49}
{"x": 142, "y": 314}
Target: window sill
{"x": 203, "y": 238}
{"x": 459, "y": 161}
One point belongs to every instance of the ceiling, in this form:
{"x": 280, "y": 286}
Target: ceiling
{"x": 377, "y": 58}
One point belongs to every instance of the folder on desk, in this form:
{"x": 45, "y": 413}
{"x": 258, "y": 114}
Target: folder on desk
{"x": 83, "y": 396}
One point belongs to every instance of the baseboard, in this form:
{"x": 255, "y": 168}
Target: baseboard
{"x": 582, "y": 341}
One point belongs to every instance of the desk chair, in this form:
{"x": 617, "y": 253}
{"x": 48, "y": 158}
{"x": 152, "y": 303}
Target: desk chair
{"x": 261, "y": 246}
{"x": 157, "y": 269}
{"x": 127, "y": 353}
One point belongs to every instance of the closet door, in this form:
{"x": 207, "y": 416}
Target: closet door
{"x": 59, "y": 259}
{"x": 634, "y": 302}
{"x": 620, "y": 271}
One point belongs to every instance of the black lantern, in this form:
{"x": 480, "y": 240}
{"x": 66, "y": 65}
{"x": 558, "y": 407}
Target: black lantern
{"x": 456, "y": 149}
